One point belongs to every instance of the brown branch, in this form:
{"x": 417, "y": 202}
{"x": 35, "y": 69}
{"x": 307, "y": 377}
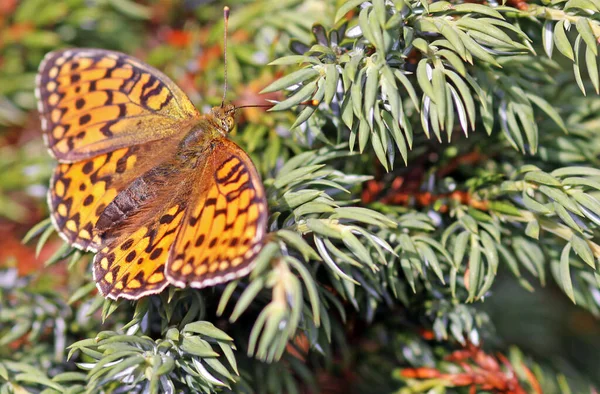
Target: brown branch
{"x": 405, "y": 190}
{"x": 481, "y": 371}
{"x": 397, "y": 195}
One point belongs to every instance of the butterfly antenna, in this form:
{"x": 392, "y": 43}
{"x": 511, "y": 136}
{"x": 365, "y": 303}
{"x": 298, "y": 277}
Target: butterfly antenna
{"x": 226, "y": 19}
{"x": 310, "y": 103}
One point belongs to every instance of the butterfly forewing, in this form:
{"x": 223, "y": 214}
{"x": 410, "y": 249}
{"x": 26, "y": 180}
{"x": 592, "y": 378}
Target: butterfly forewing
{"x": 93, "y": 101}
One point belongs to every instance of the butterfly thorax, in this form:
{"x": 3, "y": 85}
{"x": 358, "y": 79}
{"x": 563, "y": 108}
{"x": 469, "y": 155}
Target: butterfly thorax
{"x": 206, "y": 131}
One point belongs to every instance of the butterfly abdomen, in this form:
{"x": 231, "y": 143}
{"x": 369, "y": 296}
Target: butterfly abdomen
{"x": 124, "y": 205}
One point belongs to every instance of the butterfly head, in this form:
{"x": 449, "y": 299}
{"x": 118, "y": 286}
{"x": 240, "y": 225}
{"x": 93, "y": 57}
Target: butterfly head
{"x": 223, "y": 117}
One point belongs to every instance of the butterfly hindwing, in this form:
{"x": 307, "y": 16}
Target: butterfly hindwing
{"x": 135, "y": 246}
{"x": 79, "y": 192}
{"x": 133, "y": 264}
{"x": 225, "y": 222}
{"x": 94, "y": 101}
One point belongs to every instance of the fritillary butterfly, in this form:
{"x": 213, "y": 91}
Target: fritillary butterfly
{"x": 155, "y": 188}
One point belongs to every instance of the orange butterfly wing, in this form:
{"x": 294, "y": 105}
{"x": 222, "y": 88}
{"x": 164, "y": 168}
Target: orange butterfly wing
{"x": 99, "y": 111}
{"x": 79, "y": 192}
{"x": 93, "y": 101}
{"x": 224, "y": 224}
{"x": 131, "y": 262}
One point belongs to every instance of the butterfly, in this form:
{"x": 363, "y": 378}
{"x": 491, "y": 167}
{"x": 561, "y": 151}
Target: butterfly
{"x": 145, "y": 181}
